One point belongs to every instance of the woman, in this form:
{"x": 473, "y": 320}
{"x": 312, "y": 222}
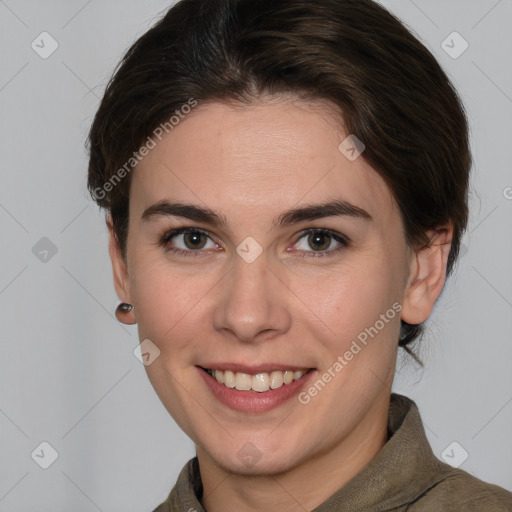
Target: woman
{"x": 286, "y": 191}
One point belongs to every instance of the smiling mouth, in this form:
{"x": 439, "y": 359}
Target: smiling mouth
{"x": 259, "y": 382}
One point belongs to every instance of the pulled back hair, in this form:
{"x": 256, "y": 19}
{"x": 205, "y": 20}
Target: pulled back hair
{"x": 392, "y": 93}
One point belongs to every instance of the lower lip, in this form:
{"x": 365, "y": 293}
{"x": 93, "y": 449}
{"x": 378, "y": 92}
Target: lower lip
{"x": 252, "y": 401}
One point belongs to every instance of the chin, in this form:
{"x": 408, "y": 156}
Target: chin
{"x": 250, "y": 461}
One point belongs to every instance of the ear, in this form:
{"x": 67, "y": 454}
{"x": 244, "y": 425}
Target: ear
{"x": 120, "y": 270}
{"x": 427, "y": 277}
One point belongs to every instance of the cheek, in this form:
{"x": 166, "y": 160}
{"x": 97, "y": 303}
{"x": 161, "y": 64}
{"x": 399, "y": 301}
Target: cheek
{"x": 169, "y": 303}
{"x": 361, "y": 310}
{"x": 349, "y": 298}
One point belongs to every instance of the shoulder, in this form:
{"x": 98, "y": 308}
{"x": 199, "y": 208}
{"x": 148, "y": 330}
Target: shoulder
{"x": 459, "y": 490}
{"x": 426, "y": 483}
{"x": 184, "y": 495}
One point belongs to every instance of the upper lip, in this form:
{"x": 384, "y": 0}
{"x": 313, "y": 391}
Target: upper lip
{"x": 253, "y": 370}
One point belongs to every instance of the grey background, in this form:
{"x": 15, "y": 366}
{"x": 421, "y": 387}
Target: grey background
{"x": 68, "y": 375}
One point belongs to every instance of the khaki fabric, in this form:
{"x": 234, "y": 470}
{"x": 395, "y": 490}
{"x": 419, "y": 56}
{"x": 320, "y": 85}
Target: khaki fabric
{"x": 404, "y": 476}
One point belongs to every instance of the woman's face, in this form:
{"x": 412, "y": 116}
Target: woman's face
{"x": 266, "y": 278}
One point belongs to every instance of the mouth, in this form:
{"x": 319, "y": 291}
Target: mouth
{"x": 260, "y": 382}
{"x": 254, "y": 389}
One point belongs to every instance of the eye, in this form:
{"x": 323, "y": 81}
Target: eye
{"x": 194, "y": 242}
{"x": 185, "y": 241}
{"x": 321, "y": 241}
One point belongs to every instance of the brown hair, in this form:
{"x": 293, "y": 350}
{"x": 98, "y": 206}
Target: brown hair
{"x": 393, "y": 94}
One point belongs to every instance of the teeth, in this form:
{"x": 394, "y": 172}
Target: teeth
{"x": 261, "y": 382}
{"x": 276, "y": 380}
{"x": 243, "y": 382}
{"x": 229, "y": 378}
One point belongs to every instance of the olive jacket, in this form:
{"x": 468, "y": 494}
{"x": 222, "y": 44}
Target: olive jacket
{"x": 404, "y": 476}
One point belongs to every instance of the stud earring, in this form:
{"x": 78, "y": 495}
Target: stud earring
{"x": 122, "y": 312}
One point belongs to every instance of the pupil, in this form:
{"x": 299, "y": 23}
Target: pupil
{"x": 319, "y": 241}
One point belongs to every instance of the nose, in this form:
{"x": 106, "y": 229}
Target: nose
{"x": 253, "y": 304}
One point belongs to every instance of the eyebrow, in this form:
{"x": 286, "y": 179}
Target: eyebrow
{"x": 294, "y": 216}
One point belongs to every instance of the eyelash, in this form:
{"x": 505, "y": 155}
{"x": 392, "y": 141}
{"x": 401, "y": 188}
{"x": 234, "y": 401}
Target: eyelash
{"x": 169, "y": 235}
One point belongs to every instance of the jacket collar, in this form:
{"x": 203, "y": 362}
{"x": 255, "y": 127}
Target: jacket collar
{"x": 403, "y": 470}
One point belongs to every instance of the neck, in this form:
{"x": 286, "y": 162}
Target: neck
{"x": 302, "y": 487}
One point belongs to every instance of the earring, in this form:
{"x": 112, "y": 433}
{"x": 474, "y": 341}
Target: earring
{"x": 122, "y": 312}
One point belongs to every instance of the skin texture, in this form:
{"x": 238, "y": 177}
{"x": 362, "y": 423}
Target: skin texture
{"x": 292, "y": 305}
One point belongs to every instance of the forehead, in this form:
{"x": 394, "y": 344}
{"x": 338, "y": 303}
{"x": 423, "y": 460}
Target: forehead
{"x": 258, "y": 157}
